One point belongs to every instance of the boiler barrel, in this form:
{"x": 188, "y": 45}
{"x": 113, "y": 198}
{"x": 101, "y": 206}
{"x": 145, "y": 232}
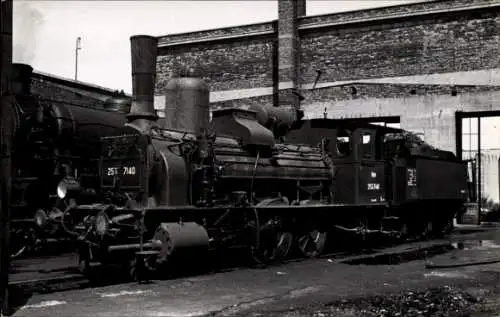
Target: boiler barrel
{"x": 82, "y": 127}
{"x": 118, "y": 104}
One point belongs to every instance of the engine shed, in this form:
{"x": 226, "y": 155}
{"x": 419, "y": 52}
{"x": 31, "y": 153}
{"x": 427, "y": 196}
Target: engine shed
{"x": 361, "y": 65}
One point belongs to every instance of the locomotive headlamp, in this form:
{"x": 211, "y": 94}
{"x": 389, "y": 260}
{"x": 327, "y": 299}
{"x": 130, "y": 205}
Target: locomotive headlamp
{"x": 101, "y": 223}
{"x": 40, "y": 218}
{"x": 67, "y": 185}
{"x": 62, "y": 190}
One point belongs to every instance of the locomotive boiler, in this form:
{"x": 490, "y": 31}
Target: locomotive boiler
{"x": 189, "y": 184}
{"x": 55, "y": 158}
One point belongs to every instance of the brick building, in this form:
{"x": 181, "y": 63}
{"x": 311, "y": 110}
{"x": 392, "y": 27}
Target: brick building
{"x": 425, "y": 65}
{"x": 76, "y": 92}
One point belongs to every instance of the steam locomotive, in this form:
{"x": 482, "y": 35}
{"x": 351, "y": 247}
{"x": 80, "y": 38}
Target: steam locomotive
{"x": 259, "y": 178}
{"x": 55, "y": 158}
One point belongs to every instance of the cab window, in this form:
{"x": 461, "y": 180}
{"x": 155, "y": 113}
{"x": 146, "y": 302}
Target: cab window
{"x": 366, "y": 144}
{"x": 343, "y": 142}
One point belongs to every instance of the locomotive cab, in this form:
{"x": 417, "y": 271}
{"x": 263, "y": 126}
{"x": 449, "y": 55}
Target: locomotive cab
{"x": 356, "y": 154}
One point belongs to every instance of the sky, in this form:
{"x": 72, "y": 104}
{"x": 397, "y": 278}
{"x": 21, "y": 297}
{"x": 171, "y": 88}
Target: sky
{"x": 45, "y": 32}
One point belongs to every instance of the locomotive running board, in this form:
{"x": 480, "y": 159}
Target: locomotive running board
{"x": 195, "y": 208}
{"x": 177, "y": 213}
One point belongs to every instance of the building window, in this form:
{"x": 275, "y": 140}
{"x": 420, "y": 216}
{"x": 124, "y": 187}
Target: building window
{"x": 470, "y": 137}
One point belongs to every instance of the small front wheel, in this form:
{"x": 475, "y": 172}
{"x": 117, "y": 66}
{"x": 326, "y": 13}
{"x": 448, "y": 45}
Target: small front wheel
{"x": 142, "y": 266}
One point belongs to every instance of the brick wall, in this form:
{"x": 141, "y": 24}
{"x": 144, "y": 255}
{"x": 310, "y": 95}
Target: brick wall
{"x": 366, "y": 91}
{"x": 436, "y": 44}
{"x": 225, "y": 65}
{"x": 423, "y": 38}
{"x": 329, "y": 96}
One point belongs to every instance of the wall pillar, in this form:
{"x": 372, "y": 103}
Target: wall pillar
{"x": 288, "y": 63}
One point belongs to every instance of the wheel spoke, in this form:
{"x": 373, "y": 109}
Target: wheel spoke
{"x": 269, "y": 243}
{"x": 279, "y": 247}
{"x": 273, "y": 248}
{"x": 312, "y": 243}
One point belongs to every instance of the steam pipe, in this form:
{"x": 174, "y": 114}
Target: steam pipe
{"x": 359, "y": 230}
{"x": 134, "y": 246}
{"x": 144, "y": 52}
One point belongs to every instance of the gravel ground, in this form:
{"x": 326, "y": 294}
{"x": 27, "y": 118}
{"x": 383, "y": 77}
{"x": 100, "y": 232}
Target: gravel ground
{"x": 441, "y": 301}
{"x": 321, "y": 287}
{"x": 472, "y": 291}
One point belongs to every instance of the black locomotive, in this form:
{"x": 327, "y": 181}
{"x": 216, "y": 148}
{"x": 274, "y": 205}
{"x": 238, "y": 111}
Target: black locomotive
{"x": 55, "y": 158}
{"x": 259, "y": 178}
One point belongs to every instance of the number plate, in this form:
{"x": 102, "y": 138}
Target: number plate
{"x": 127, "y": 174}
{"x": 125, "y": 170}
{"x": 412, "y": 177}
{"x": 373, "y": 186}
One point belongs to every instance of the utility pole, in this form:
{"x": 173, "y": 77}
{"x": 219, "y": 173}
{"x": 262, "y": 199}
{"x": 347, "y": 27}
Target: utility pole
{"x": 479, "y": 172}
{"x": 77, "y": 48}
{"x": 5, "y": 149}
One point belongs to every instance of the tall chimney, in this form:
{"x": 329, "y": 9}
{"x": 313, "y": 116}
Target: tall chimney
{"x": 289, "y": 51}
{"x": 144, "y": 52}
{"x": 21, "y": 79}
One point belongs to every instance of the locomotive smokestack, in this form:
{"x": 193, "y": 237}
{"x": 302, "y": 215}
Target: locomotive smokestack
{"x": 21, "y": 79}
{"x": 144, "y": 52}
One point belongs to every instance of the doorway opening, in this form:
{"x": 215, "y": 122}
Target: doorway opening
{"x": 478, "y": 140}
